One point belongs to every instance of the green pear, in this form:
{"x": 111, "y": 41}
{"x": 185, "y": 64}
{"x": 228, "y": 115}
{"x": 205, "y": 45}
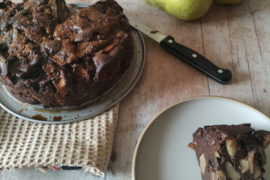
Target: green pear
{"x": 183, "y": 9}
{"x": 229, "y": 2}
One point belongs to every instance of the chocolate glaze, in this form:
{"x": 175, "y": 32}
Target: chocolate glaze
{"x": 211, "y": 141}
{"x": 50, "y": 57}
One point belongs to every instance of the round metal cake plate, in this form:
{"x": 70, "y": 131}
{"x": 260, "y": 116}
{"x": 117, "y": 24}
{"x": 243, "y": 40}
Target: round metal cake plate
{"x": 101, "y": 104}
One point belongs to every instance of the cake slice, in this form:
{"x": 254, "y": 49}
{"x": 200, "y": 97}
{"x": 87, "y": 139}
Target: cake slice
{"x": 230, "y": 152}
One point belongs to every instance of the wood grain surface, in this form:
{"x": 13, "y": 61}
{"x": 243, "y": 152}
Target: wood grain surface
{"x": 233, "y": 37}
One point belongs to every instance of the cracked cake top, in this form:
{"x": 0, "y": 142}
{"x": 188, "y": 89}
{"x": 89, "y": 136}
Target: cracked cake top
{"x": 51, "y": 57}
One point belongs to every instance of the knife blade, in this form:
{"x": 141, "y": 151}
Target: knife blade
{"x": 183, "y": 53}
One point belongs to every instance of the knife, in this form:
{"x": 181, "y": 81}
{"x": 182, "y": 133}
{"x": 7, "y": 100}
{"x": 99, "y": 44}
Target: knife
{"x": 184, "y": 53}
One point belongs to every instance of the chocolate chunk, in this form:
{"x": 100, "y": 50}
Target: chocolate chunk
{"x": 50, "y": 47}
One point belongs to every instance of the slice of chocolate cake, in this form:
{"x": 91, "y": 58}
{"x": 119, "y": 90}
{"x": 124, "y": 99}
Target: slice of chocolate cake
{"x": 231, "y": 152}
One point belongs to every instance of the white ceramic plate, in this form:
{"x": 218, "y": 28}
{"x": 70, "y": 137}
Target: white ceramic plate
{"x": 162, "y": 152}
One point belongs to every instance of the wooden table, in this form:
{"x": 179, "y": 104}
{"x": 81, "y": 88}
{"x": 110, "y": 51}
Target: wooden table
{"x": 237, "y": 38}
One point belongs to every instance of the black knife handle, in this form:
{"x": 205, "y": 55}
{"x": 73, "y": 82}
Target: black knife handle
{"x": 196, "y": 60}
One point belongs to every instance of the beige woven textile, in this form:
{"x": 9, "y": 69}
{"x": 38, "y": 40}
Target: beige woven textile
{"x": 87, "y": 144}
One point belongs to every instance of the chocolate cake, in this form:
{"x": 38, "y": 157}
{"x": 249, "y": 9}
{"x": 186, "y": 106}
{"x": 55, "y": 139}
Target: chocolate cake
{"x": 49, "y": 56}
{"x": 231, "y": 152}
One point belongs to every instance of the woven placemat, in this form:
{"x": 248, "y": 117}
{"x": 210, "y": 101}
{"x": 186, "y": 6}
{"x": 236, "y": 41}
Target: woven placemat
{"x": 86, "y": 144}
